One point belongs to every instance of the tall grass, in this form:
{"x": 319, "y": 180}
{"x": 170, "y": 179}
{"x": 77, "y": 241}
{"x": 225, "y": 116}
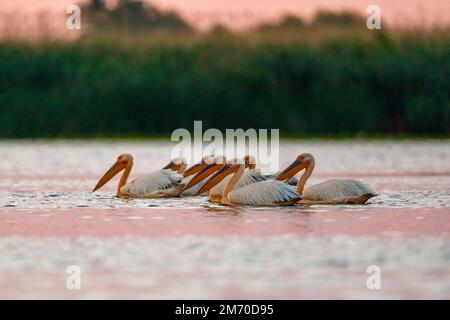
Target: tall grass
{"x": 378, "y": 83}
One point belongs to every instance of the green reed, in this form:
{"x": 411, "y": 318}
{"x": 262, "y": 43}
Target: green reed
{"x": 340, "y": 85}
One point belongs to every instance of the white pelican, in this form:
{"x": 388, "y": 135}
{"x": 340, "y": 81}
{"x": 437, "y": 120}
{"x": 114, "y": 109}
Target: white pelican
{"x": 251, "y": 175}
{"x": 264, "y": 193}
{"x": 335, "y": 191}
{"x": 158, "y": 184}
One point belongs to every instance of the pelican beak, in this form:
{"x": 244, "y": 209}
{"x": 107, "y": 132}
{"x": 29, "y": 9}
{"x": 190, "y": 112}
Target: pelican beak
{"x": 290, "y": 171}
{"x": 206, "y": 172}
{"x": 115, "y": 169}
{"x": 170, "y": 165}
{"x": 217, "y": 177}
{"x": 194, "y": 169}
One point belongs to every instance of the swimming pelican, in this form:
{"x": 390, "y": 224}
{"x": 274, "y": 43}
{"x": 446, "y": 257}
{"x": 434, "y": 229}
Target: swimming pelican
{"x": 252, "y": 175}
{"x": 158, "y": 184}
{"x": 335, "y": 191}
{"x": 264, "y": 193}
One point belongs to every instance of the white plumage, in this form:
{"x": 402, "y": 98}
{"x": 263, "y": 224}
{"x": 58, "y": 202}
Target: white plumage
{"x": 338, "y": 190}
{"x": 249, "y": 177}
{"x": 262, "y": 193}
{"x": 335, "y": 191}
{"x": 163, "y": 183}
{"x": 265, "y": 193}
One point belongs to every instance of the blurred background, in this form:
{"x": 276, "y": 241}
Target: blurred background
{"x": 144, "y": 68}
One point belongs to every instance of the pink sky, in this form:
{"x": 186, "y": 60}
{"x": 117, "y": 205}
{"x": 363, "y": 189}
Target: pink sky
{"x": 239, "y": 14}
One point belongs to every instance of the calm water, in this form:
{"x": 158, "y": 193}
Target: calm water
{"x": 153, "y": 248}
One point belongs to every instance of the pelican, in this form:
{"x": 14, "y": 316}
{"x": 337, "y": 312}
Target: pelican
{"x": 158, "y": 184}
{"x": 335, "y": 191}
{"x": 252, "y": 175}
{"x": 264, "y": 193}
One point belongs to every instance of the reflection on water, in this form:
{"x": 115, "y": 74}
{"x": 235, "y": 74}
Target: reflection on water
{"x": 91, "y": 159}
{"x": 107, "y": 200}
{"x": 240, "y": 267}
{"x": 150, "y": 248}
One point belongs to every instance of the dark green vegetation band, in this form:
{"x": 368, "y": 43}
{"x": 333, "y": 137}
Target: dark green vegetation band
{"x": 345, "y": 86}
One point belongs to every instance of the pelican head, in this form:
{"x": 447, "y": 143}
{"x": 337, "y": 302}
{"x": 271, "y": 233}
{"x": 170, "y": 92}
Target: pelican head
{"x": 300, "y": 163}
{"x": 123, "y": 161}
{"x": 198, "y": 166}
{"x": 177, "y": 165}
{"x": 250, "y": 162}
{"x": 223, "y": 171}
{"x": 208, "y": 168}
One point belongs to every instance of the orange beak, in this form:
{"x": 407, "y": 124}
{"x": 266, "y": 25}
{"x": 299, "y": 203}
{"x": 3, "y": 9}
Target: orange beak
{"x": 291, "y": 171}
{"x": 194, "y": 169}
{"x": 217, "y": 177}
{"x": 115, "y": 169}
{"x": 203, "y": 174}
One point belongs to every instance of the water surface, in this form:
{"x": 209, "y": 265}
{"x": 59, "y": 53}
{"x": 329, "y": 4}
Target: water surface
{"x": 189, "y": 248}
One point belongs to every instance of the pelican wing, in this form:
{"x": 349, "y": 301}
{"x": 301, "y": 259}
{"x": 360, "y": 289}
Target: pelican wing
{"x": 337, "y": 189}
{"x": 292, "y": 181}
{"x": 249, "y": 177}
{"x": 155, "y": 184}
{"x": 266, "y": 193}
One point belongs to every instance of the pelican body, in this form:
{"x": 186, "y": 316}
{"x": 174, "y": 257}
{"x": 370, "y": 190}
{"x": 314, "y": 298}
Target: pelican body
{"x": 250, "y": 176}
{"x": 162, "y": 183}
{"x": 264, "y": 193}
{"x": 335, "y": 191}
